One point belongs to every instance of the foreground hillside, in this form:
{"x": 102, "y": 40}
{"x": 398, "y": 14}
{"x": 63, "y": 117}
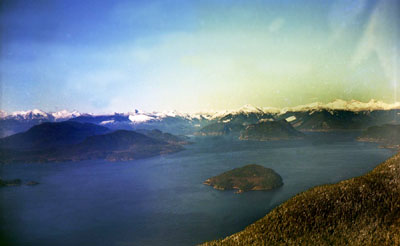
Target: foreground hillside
{"x": 359, "y": 211}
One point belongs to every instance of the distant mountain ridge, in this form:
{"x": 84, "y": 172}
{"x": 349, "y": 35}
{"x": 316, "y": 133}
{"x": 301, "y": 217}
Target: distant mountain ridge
{"x": 39, "y": 114}
{"x": 140, "y": 116}
{"x": 270, "y": 130}
{"x": 338, "y": 114}
{"x": 388, "y": 135}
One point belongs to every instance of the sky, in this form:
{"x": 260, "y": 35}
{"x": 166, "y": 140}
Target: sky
{"x": 117, "y": 56}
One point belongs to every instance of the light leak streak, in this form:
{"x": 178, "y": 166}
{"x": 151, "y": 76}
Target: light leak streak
{"x": 395, "y": 75}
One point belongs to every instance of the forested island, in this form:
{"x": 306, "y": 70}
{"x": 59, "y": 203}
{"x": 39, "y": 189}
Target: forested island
{"x": 249, "y": 177}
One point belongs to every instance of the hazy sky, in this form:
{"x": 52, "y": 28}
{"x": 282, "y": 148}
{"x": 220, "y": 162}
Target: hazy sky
{"x": 107, "y": 56}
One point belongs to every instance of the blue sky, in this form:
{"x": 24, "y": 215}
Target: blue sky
{"x": 114, "y": 56}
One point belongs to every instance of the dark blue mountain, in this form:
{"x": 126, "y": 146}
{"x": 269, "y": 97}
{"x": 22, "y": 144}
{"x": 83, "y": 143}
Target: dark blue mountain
{"x": 74, "y": 141}
{"x": 51, "y": 135}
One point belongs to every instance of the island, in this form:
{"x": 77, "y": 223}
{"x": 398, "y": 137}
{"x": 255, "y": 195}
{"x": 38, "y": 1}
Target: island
{"x": 267, "y": 130}
{"x": 247, "y": 178}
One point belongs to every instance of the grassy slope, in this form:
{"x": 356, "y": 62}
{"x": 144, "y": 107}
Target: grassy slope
{"x": 359, "y": 211}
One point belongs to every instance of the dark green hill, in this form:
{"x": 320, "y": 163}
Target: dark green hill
{"x": 250, "y": 177}
{"x": 359, "y": 211}
{"x": 270, "y": 130}
{"x": 389, "y": 135}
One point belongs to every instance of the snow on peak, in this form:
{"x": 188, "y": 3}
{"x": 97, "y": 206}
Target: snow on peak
{"x": 106, "y": 122}
{"x": 3, "y": 114}
{"x": 38, "y": 112}
{"x": 353, "y": 105}
{"x": 140, "y": 118}
{"x": 65, "y": 114}
{"x": 291, "y": 118}
{"x": 271, "y": 110}
{"x": 170, "y": 113}
{"x": 339, "y": 104}
{"x": 30, "y": 114}
{"x": 375, "y": 105}
{"x": 246, "y": 109}
{"x": 307, "y": 107}
{"x": 265, "y": 120}
{"x": 249, "y": 109}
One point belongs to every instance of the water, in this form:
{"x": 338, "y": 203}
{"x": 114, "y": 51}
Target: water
{"x": 161, "y": 200}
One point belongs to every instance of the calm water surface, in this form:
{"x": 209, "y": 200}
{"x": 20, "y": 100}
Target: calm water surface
{"x": 161, "y": 200}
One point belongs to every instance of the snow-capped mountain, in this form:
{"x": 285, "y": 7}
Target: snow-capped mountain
{"x": 37, "y": 114}
{"x": 29, "y": 115}
{"x": 19, "y": 121}
{"x": 340, "y": 104}
{"x": 245, "y": 110}
{"x": 65, "y": 114}
{"x": 3, "y": 114}
{"x": 338, "y": 114}
{"x": 138, "y": 116}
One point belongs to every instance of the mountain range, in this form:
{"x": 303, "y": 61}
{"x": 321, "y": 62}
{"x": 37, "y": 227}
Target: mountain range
{"x": 337, "y": 115}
